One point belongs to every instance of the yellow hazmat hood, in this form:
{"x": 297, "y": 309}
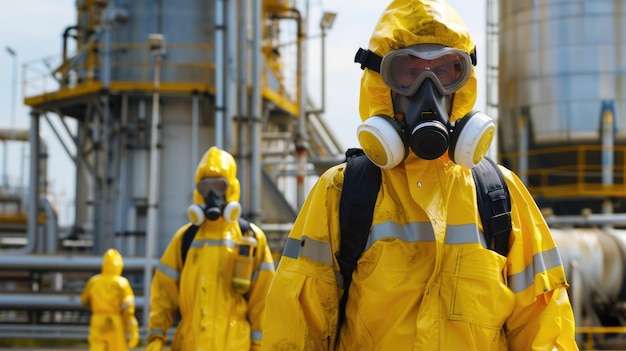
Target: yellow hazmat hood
{"x": 112, "y": 263}
{"x": 409, "y": 22}
{"x": 218, "y": 163}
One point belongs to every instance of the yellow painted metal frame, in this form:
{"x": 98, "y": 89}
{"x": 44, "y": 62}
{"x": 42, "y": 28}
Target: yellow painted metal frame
{"x": 591, "y": 331}
{"x": 580, "y": 179}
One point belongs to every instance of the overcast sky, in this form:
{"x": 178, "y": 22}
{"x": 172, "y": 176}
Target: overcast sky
{"x": 33, "y": 30}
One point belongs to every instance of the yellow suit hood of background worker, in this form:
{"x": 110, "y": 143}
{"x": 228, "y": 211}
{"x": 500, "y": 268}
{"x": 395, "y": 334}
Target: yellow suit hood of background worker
{"x": 214, "y": 316}
{"x": 415, "y": 287}
{"x": 111, "y": 300}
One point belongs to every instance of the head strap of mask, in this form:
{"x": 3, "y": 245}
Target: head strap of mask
{"x": 426, "y": 129}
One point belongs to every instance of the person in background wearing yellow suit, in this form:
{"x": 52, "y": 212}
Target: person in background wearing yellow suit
{"x": 220, "y": 288}
{"x": 426, "y": 279}
{"x": 111, "y": 300}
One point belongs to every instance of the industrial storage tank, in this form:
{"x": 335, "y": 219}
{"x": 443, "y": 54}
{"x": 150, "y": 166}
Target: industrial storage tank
{"x": 561, "y": 99}
{"x": 151, "y": 86}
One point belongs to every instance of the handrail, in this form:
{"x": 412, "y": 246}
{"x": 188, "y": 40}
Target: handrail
{"x": 570, "y": 171}
{"x": 591, "y": 331}
{"x": 65, "y": 263}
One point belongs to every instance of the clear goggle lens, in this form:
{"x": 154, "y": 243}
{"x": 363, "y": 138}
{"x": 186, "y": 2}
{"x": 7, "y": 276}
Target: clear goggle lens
{"x": 216, "y": 185}
{"x": 404, "y": 70}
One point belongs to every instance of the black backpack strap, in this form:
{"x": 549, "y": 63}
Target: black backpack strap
{"x": 358, "y": 197}
{"x": 190, "y": 233}
{"x": 494, "y": 205}
{"x": 245, "y": 227}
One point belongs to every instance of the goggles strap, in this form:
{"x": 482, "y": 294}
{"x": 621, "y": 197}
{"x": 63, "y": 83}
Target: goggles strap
{"x": 368, "y": 59}
{"x": 473, "y": 56}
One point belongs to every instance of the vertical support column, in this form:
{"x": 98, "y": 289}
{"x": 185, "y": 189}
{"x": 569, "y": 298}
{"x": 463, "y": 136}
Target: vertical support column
{"x": 302, "y": 142}
{"x": 608, "y": 143}
{"x": 231, "y": 73}
{"x": 195, "y": 126}
{"x": 522, "y": 160}
{"x": 219, "y": 73}
{"x": 33, "y": 186}
{"x": 256, "y": 111}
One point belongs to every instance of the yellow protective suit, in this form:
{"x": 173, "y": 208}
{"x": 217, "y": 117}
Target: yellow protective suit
{"x": 212, "y": 316}
{"x": 111, "y": 300}
{"x": 425, "y": 281}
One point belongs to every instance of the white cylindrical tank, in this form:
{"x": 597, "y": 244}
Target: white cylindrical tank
{"x": 598, "y": 254}
{"x": 561, "y": 64}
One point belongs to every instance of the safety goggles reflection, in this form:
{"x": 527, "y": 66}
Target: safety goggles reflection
{"x": 216, "y": 185}
{"x": 404, "y": 70}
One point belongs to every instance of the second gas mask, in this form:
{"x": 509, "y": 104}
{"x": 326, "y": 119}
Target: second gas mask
{"x": 213, "y": 190}
{"x": 423, "y": 79}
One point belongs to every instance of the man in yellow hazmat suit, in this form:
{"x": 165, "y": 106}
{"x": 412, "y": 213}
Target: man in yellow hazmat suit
{"x": 111, "y": 300}
{"x": 426, "y": 279}
{"x": 220, "y": 287}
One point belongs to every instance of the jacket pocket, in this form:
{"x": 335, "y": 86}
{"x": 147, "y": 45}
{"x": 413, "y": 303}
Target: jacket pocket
{"x": 474, "y": 283}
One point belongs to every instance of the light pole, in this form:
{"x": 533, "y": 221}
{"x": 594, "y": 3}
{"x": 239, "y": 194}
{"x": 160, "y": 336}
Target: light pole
{"x": 5, "y": 177}
{"x": 14, "y": 90}
{"x": 156, "y": 44}
{"x": 328, "y": 18}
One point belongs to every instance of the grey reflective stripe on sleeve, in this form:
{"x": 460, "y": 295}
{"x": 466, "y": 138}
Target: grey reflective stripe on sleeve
{"x": 256, "y": 335}
{"x": 316, "y": 250}
{"x": 542, "y": 262}
{"x": 156, "y": 332}
{"x": 412, "y": 232}
{"x": 168, "y": 271}
{"x": 292, "y": 248}
{"x": 198, "y": 243}
{"x": 128, "y": 303}
{"x": 464, "y": 234}
{"x": 265, "y": 266}
{"x": 310, "y": 248}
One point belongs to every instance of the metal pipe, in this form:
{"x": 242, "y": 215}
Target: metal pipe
{"x": 33, "y": 186}
{"x": 195, "y": 127}
{"x": 302, "y": 142}
{"x": 105, "y": 211}
{"x": 256, "y": 112}
{"x": 616, "y": 219}
{"x": 41, "y": 301}
{"x": 55, "y": 332}
{"x": 96, "y": 219}
{"x": 13, "y": 96}
{"x": 242, "y": 106}
{"x": 153, "y": 194}
{"x": 52, "y": 225}
{"x": 608, "y": 143}
{"x": 219, "y": 73}
{"x": 66, "y": 263}
{"x": 523, "y": 148}
{"x": 122, "y": 181}
{"x": 231, "y": 73}
{"x": 47, "y": 332}
{"x": 81, "y": 184}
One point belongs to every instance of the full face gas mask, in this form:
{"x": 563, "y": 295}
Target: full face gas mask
{"x": 213, "y": 190}
{"x": 423, "y": 79}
